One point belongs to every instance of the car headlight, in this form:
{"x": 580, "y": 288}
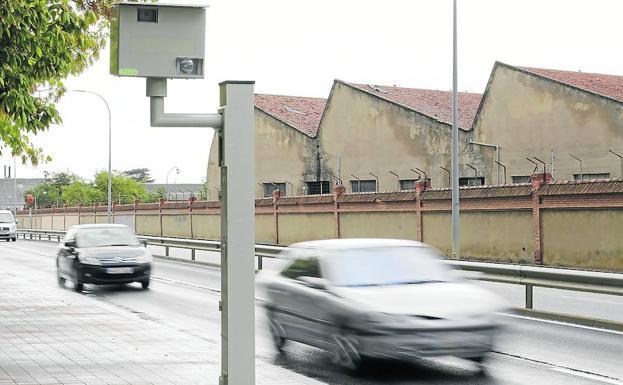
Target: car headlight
{"x": 86, "y": 259}
{"x": 146, "y": 257}
{"x": 12, "y": 228}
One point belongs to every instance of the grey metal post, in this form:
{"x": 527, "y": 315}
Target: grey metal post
{"x": 529, "y": 296}
{"x": 455, "y": 142}
{"x": 236, "y": 128}
{"x": 15, "y": 186}
{"x": 237, "y": 163}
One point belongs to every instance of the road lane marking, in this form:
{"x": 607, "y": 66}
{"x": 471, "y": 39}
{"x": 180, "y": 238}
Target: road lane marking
{"x": 588, "y": 376}
{"x": 563, "y": 323}
{"x": 567, "y": 370}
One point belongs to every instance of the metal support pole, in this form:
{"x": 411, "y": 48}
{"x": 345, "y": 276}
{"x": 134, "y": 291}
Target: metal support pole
{"x": 455, "y": 142}
{"x": 497, "y": 157}
{"x": 579, "y": 160}
{"x": 192, "y": 254}
{"x": 503, "y": 167}
{"x": 166, "y": 251}
{"x": 109, "y": 208}
{"x": 620, "y": 158}
{"x": 529, "y": 294}
{"x": 237, "y": 233}
{"x": 236, "y": 132}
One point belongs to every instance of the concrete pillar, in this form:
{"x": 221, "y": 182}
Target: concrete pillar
{"x": 537, "y": 181}
{"x": 337, "y": 191}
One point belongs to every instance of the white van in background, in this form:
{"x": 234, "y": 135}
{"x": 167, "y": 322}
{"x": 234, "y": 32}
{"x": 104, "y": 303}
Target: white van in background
{"x": 8, "y": 226}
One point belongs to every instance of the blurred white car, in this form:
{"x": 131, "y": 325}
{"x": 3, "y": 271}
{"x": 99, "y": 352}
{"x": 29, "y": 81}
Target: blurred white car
{"x": 379, "y": 298}
{"x": 8, "y": 226}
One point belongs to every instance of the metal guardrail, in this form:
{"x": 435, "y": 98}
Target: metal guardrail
{"x": 528, "y": 276}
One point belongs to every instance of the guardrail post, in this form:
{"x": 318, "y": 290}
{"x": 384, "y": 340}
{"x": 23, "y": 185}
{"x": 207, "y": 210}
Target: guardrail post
{"x": 529, "y": 293}
{"x": 192, "y": 254}
{"x": 166, "y": 251}
{"x": 259, "y": 262}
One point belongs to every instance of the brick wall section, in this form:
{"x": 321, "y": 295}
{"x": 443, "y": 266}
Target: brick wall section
{"x": 535, "y": 197}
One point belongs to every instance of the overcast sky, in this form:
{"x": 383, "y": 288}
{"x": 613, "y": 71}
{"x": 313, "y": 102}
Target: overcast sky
{"x": 299, "y": 48}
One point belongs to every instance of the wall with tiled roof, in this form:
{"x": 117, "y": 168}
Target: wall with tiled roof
{"x": 433, "y": 103}
{"x": 555, "y": 116}
{"x": 301, "y": 113}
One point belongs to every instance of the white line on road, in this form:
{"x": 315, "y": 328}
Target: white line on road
{"x": 563, "y": 323}
{"x": 587, "y": 375}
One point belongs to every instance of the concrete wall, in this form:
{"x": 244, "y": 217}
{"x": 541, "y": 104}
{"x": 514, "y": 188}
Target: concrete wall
{"x": 148, "y": 224}
{"x": 176, "y": 225}
{"x": 282, "y": 154}
{"x": 530, "y": 116}
{"x": 583, "y": 238}
{"x": 305, "y": 227}
{"x": 372, "y": 135}
{"x": 581, "y": 223}
{"x": 265, "y": 229}
{"x": 207, "y": 226}
{"x": 504, "y": 236}
{"x": 379, "y": 225}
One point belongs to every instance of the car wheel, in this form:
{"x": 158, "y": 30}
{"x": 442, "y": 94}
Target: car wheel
{"x": 14, "y": 239}
{"x": 346, "y": 352}
{"x": 480, "y": 363}
{"x": 145, "y": 284}
{"x": 276, "y": 332}
{"x": 78, "y": 286}
{"x": 59, "y": 278}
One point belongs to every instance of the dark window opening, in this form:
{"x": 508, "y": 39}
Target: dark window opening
{"x": 148, "y": 15}
{"x": 407, "y": 184}
{"x": 472, "y": 181}
{"x": 521, "y": 178}
{"x": 270, "y": 187}
{"x": 316, "y": 188}
{"x": 599, "y": 175}
{"x": 358, "y": 186}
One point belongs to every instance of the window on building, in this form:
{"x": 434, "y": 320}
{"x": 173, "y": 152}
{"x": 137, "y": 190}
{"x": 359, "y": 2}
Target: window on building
{"x": 270, "y": 187}
{"x": 520, "y": 178}
{"x": 407, "y": 184}
{"x": 599, "y": 175}
{"x": 315, "y": 188}
{"x": 472, "y": 181}
{"x": 358, "y": 186}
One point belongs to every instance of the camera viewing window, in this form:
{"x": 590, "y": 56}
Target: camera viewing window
{"x": 148, "y": 15}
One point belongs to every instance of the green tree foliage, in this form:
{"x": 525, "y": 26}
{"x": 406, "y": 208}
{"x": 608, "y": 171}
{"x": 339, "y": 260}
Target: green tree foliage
{"x": 41, "y": 43}
{"x": 124, "y": 188}
{"x": 50, "y": 192}
{"x": 139, "y": 174}
{"x": 82, "y": 193}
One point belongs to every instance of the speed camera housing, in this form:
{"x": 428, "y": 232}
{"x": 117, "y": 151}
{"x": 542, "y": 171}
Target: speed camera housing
{"x": 157, "y": 40}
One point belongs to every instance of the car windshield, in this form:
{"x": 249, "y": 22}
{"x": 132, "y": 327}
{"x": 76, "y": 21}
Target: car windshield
{"x": 106, "y": 236}
{"x": 6, "y": 218}
{"x": 380, "y": 266}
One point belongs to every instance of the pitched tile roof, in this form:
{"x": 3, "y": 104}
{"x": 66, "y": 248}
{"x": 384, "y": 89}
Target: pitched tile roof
{"x": 607, "y": 85}
{"x": 433, "y": 103}
{"x": 301, "y": 113}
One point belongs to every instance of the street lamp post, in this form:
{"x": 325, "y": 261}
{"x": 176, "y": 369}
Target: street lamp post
{"x": 455, "y": 142}
{"x": 109, "y": 208}
{"x": 177, "y": 171}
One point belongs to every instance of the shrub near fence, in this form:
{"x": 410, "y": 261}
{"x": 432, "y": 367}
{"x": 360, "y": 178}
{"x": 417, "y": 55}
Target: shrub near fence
{"x": 573, "y": 224}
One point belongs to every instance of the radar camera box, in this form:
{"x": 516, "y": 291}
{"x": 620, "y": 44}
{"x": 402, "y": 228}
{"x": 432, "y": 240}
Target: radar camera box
{"x": 157, "y": 40}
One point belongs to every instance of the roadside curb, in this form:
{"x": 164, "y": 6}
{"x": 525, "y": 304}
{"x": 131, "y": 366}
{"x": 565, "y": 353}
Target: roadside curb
{"x": 571, "y": 319}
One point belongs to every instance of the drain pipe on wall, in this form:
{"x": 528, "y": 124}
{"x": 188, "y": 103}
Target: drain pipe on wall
{"x": 497, "y": 156}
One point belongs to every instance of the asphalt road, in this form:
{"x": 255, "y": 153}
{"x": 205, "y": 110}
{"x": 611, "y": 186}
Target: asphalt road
{"x": 528, "y": 352}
